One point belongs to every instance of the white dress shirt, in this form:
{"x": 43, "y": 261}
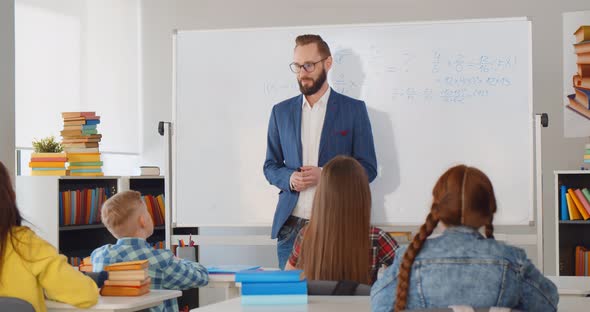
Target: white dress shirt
{"x": 312, "y": 123}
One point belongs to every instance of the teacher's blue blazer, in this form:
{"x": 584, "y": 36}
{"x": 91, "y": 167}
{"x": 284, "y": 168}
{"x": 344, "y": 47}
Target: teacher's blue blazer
{"x": 346, "y": 131}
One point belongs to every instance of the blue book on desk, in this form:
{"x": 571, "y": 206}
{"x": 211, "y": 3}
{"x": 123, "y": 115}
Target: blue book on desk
{"x": 230, "y": 269}
{"x": 292, "y": 288}
{"x": 564, "y": 213}
{"x": 269, "y": 276}
{"x": 274, "y": 299}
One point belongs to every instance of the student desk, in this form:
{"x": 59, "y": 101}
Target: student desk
{"x": 119, "y": 304}
{"x": 315, "y": 304}
{"x": 351, "y": 304}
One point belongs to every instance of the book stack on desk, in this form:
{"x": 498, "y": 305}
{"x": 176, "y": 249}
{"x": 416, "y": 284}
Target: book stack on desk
{"x": 127, "y": 279}
{"x": 273, "y": 287}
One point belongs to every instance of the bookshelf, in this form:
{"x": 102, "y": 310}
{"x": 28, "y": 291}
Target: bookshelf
{"x": 570, "y": 233}
{"x": 39, "y": 202}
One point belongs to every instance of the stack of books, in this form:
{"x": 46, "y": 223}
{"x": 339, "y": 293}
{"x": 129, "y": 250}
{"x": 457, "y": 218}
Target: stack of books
{"x": 587, "y": 154}
{"x": 273, "y": 287}
{"x": 127, "y": 279}
{"x": 579, "y": 101}
{"x": 48, "y": 164}
{"x": 80, "y": 142}
{"x": 574, "y": 203}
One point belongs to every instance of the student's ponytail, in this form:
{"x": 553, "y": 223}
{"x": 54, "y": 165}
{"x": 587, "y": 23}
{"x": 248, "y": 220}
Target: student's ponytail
{"x": 403, "y": 278}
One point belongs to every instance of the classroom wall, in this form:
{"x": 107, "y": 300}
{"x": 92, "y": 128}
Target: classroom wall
{"x": 77, "y": 55}
{"x": 7, "y": 84}
{"x": 160, "y": 18}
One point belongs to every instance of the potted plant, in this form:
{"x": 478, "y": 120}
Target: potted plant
{"x": 48, "y": 158}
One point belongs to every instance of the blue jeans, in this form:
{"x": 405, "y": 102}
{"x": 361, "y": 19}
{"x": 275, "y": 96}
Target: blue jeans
{"x": 286, "y": 239}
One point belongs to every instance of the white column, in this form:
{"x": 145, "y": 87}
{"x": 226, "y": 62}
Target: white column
{"x": 7, "y": 155}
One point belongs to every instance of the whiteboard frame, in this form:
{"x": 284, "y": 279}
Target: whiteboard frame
{"x": 534, "y": 193}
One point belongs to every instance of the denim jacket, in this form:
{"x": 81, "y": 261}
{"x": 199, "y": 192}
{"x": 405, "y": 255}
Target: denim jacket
{"x": 462, "y": 267}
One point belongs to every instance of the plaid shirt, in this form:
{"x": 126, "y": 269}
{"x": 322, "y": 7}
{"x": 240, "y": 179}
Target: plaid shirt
{"x": 165, "y": 271}
{"x": 381, "y": 253}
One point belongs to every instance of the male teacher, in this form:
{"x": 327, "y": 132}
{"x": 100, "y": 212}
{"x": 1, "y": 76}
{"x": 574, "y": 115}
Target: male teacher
{"x": 304, "y": 133}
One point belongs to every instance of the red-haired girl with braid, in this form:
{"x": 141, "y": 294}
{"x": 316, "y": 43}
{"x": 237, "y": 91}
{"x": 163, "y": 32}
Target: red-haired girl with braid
{"x": 461, "y": 266}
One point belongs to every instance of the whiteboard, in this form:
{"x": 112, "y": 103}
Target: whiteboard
{"x": 438, "y": 94}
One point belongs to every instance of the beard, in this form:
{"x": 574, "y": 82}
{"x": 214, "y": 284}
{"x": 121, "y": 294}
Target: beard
{"x": 315, "y": 86}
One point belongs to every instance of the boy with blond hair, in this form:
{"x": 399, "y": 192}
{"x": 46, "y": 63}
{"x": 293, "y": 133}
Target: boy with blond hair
{"x": 126, "y": 216}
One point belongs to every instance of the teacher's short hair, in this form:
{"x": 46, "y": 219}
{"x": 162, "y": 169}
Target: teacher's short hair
{"x": 320, "y": 43}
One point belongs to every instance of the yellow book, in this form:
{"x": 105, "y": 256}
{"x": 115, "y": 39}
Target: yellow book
{"x": 586, "y": 156}
{"x": 578, "y": 204}
{"x": 48, "y": 155}
{"x": 571, "y": 208}
{"x": 583, "y": 33}
{"x": 47, "y": 164}
{"x": 88, "y": 158}
{"x": 49, "y": 172}
{"x": 160, "y": 200}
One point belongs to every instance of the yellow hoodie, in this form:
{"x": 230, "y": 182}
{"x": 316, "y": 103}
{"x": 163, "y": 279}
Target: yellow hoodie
{"x": 37, "y": 267}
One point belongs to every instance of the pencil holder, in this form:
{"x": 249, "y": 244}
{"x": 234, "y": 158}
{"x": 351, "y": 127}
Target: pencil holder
{"x": 188, "y": 253}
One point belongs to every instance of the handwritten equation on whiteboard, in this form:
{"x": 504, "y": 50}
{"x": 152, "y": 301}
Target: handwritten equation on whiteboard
{"x": 410, "y": 77}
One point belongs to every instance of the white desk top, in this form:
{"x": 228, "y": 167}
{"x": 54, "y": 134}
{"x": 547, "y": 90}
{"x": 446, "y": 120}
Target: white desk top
{"x": 349, "y": 304}
{"x": 571, "y": 285}
{"x": 315, "y": 304}
{"x": 119, "y": 304}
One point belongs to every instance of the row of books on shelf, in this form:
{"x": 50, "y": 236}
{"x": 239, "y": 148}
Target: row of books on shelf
{"x": 54, "y": 164}
{"x": 582, "y": 261}
{"x": 80, "y": 207}
{"x": 155, "y": 206}
{"x": 574, "y": 203}
{"x": 272, "y": 287}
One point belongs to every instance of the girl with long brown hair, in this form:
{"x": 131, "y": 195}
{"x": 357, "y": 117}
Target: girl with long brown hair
{"x": 461, "y": 266}
{"x": 334, "y": 245}
{"x": 30, "y": 266}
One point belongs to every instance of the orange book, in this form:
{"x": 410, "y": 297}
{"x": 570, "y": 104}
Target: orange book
{"x": 127, "y": 283}
{"x": 127, "y": 291}
{"x": 582, "y": 47}
{"x": 47, "y": 164}
{"x": 67, "y": 208}
{"x": 75, "y": 122}
{"x": 77, "y": 114}
{"x": 160, "y": 199}
{"x": 581, "y": 82}
{"x": 571, "y": 208}
{"x": 583, "y": 58}
{"x": 130, "y": 275}
{"x": 127, "y": 265}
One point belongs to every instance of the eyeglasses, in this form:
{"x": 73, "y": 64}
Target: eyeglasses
{"x": 308, "y": 67}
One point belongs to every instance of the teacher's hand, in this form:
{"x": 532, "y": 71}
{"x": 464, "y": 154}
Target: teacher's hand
{"x": 297, "y": 182}
{"x": 311, "y": 175}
